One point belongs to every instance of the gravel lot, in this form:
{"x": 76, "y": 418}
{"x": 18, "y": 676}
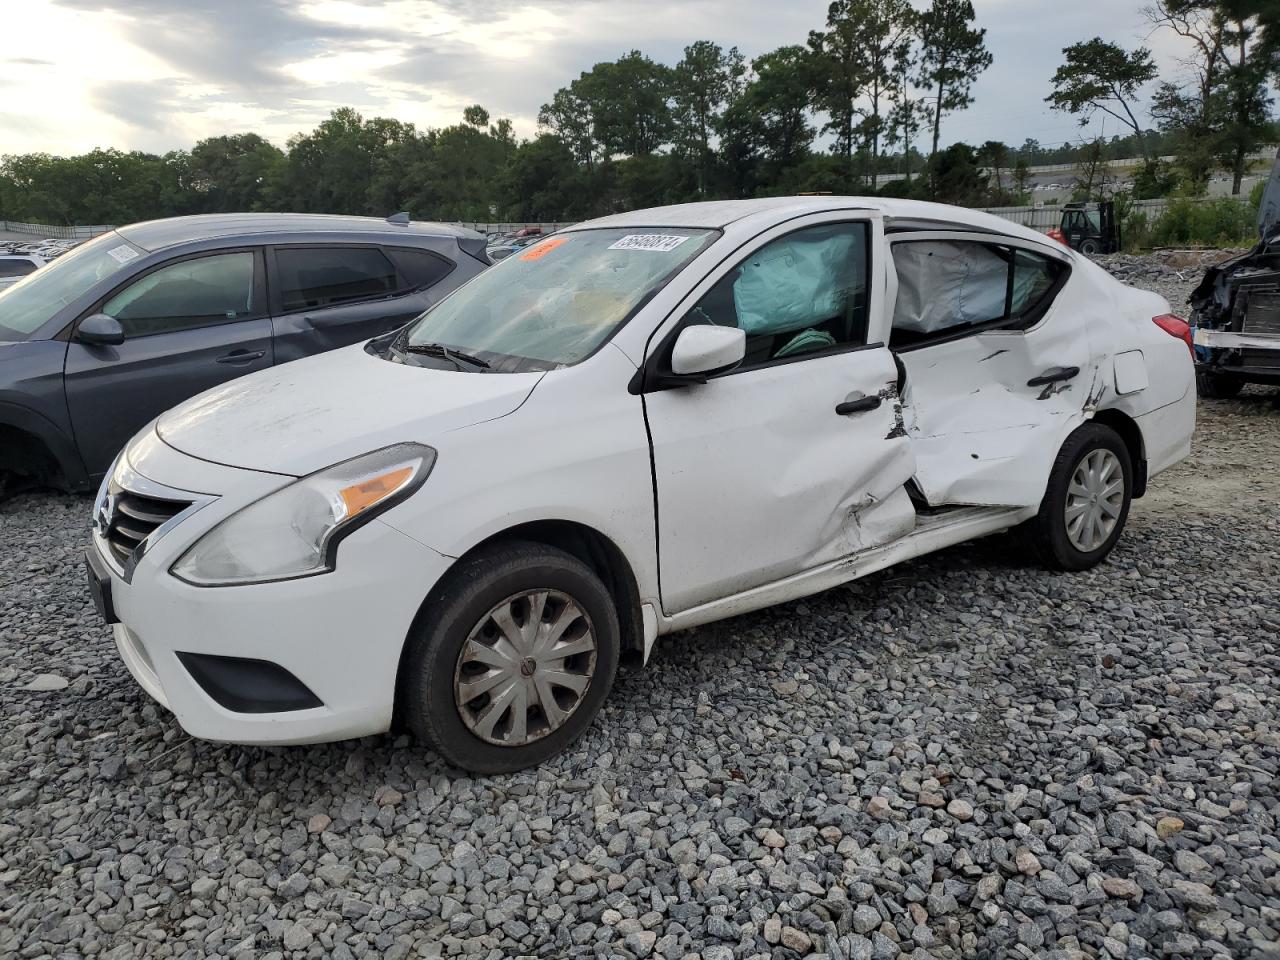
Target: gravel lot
{"x": 961, "y": 757}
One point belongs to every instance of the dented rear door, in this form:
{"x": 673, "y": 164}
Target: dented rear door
{"x": 988, "y": 409}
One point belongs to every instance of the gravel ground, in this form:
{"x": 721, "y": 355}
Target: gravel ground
{"x": 960, "y": 757}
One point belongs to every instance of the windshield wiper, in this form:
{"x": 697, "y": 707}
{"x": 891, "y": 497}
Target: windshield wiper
{"x": 452, "y": 354}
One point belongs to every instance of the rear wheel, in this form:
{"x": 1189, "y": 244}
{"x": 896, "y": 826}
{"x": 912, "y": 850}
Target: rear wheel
{"x": 1090, "y": 248}
{"x": 1087, "y": 501}
{"x": 513, "y": 659}
{"x": 1218, "y": 386}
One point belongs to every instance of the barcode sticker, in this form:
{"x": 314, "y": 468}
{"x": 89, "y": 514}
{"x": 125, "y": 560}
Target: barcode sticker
{"x": 653, "y": 242}
{"x": 122, "y": 254}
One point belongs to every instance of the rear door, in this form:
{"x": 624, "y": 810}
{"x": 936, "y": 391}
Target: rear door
{"x": 190, "y": 324}
{"x": 796, "y": 458}
{"x": 326, "y": 296}
{"x": 999, "y": 366}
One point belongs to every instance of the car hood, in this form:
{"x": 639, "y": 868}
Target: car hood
{"x": 309, "y": 414}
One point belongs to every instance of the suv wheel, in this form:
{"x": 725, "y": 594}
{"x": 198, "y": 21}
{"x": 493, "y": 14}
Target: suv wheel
{"x": 512, "y": 660}
{"x": 1087, "y": 501}
{"x": 1218, "y": 386}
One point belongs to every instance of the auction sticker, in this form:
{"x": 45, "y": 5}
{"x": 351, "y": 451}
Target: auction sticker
{"x": 122, "y": 254}
{"x": 540, "y": 250}
{"x": 653, "y": 242}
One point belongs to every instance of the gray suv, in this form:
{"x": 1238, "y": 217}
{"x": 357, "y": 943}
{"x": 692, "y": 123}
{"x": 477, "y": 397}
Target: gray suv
{"x": 120, "y": 329}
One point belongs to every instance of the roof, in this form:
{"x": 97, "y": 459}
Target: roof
{"x": 157, "y": 234}
{"x": 718, "y": 214}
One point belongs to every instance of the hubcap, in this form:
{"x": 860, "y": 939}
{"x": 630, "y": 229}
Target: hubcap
{"x": 1095, "y": 498}
{"x": 525, "y": 668}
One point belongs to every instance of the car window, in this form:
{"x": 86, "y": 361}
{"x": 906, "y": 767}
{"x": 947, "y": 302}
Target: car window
{"x": 419, "y": 269}
{"x": 322, "y": 276}
{"x": 33, "y": 301}
{"x": 948, "y": 287}
{"x": 16, "y": 268}
{"x": 803, "y": 293}
{"x": 190, "y": 293}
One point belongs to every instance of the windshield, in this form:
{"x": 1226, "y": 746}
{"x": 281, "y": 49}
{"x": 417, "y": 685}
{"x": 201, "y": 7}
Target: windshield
{"x": 28, "y": 304}
{"x": 553, "y": 303}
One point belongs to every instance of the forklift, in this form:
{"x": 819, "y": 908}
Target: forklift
{"x": 1091, "y": 228}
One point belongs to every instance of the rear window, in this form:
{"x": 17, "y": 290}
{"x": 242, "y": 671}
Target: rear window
{"x": 420, "y": 269}
{"x": 320, "y": 276}
{"x": 16, "y": 268}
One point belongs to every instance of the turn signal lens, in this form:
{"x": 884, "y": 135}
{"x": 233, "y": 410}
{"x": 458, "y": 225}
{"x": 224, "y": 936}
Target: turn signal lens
{"x": 1175, "y": 326}
{"x": 361, "y": 496}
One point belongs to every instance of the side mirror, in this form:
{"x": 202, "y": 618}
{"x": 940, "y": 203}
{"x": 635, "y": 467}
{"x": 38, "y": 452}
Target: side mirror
{"x": 704, "y": 349}
{"x": 100, "y": 330}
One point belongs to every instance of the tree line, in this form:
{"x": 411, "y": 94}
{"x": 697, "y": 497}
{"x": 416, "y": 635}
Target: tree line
{"x": 864, "y": 96}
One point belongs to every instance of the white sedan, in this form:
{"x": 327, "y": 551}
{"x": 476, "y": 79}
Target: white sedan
{"x": 641, "y": 424}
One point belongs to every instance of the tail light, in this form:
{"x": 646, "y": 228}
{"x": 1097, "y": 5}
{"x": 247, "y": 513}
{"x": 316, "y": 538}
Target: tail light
{"x": 1176, "y": 327}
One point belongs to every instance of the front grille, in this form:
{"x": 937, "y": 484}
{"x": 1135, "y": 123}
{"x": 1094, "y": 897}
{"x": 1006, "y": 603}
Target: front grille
{"x": 133, "y": 518}
{"x": 1262, "y": 313}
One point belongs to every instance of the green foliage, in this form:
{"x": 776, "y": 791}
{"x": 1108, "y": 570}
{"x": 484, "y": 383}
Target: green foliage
{"x": 1102, "y": 76}
{"x": 1188, "y": 222}
{"x": 952, "y": 54}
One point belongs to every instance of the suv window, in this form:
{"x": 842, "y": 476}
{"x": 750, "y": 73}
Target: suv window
{"x": 803, "y": 293}
{"x": 322, "y": 276}
{"x": 947, "y": 288}
{"x": 191, "y": 293}
{"x": 419, "y": 269}
{"x": 16, "y": 268}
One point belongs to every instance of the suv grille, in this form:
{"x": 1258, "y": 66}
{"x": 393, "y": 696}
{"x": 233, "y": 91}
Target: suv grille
{"x": 134, "y": 518}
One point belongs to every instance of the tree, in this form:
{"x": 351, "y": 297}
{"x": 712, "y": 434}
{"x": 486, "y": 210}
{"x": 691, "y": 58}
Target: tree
{"x": 1221, "y": 110}
{"x": 629, "y": 103}
{"x": 1099, "y": 75}
{"x": 1021, "y": 175}
{"x": 568, "y": 117}
{"x": 952, "y": 54}
{"x": 838, "y": 77}
{"x": 235, "y": 172}
{"x": 476, "y": 116}
{"x": 995, "y": 155}
{"x": 703, "y": 84}
{"x": 955, "y": 178}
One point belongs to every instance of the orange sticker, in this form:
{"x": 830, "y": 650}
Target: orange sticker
{"x": 540, "y": 250}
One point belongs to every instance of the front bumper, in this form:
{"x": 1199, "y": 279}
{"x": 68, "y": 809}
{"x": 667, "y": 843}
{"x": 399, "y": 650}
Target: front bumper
{"x": 339, "y": 634}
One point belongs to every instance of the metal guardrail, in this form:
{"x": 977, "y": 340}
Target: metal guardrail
{"x": 54, "y": 231}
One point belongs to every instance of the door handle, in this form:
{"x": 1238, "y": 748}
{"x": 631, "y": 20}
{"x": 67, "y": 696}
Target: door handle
{"x": 242, "y": 356}
{"x": 857, "y": 406}
{"x": 1056, "y": 375}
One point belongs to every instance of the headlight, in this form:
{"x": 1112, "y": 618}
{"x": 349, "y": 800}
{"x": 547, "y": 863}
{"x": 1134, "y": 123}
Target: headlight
{"x": 294, "y": 532}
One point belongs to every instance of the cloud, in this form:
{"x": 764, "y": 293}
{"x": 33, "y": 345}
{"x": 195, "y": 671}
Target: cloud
{"x": 179, "y": 71}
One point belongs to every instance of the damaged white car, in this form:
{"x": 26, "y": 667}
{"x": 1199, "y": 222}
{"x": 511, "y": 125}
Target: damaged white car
{"x": 644, "y": 423}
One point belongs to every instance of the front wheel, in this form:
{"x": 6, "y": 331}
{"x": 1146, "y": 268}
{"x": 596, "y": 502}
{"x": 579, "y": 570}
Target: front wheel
{"x": 1087, "y": 501}
{"x": 512, "y": 659}
{"x": 1090, "y": 248}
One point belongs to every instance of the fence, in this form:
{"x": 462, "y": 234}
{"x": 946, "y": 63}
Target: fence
{"x": 1050, "y": 215}
{"x": 53, "y": 231}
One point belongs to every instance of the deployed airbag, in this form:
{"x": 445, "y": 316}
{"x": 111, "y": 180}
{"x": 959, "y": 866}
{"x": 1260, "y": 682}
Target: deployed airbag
{"x": 797, "y": 282}
{"x": 943, "y": 283}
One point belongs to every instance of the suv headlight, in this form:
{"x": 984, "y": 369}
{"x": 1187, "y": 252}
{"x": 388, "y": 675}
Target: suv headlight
{"x": 295, "y": 531}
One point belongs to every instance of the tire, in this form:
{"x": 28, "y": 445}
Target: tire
{"x": 1060, "y": 545}
{"x": 498, "y": 581}
{"x": 1090, "y": 248}
{"x": 1218, "y": 386}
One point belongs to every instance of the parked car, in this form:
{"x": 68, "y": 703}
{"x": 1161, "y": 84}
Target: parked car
{"x": 1236, "y": 310}
{"x": 13, "y": 267}
{"x": 641, "y": 424}
{"x": 121, "y": 328}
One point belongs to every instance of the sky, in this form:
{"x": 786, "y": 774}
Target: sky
{"x": 158, "y": 75}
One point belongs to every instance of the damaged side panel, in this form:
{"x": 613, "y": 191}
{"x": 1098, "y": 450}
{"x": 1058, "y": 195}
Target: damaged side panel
{"x": 981, "y": 434}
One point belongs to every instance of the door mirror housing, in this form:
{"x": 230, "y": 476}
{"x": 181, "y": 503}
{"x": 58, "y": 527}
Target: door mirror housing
{"x": 100, "y": 330}
{"x": 704, "y": 349}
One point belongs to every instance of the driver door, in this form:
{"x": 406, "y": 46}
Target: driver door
{"x": 796, "y": 458}
{"x": 189, "y": 325}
